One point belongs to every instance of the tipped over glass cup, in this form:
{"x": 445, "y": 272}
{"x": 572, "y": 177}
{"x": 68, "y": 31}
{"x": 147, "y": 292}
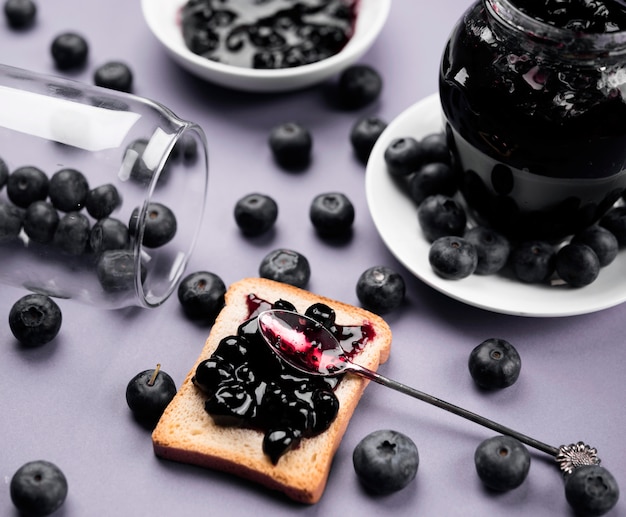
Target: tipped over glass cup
{"x": 102, "y": 193}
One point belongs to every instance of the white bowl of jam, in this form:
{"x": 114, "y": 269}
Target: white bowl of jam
{"x": 272, "y": 46}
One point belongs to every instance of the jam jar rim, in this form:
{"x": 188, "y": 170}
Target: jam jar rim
{"x": 569, "y": 44}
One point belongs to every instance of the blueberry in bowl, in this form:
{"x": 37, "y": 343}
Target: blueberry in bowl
{"x": 348, "y": 31}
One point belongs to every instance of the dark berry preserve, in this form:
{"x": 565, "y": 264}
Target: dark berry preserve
{"x": 533, "y": 98}
{"x": 267, "y": 34}
{"x": 246, "y": 384}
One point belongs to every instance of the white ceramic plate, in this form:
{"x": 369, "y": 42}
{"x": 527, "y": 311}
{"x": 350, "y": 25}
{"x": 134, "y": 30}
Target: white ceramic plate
{"x": 395, "y": 217}
{"x": 162, "y": 17}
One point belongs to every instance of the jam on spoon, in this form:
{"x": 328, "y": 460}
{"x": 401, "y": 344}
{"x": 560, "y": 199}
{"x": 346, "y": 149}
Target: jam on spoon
{"x": 308, "y": 346}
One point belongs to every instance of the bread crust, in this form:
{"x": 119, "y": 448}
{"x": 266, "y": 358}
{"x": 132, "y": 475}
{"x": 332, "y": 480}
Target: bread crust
{"x": 186, "y": 433}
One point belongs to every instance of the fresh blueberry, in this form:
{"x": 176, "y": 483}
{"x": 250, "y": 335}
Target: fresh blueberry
{"x": 591, "y": 490}
{"x": 364, "y": 134}
{"x": 615, "y": 222}
{"x": 108, "y": 234}
{"x": 577, "y": 264}
{"x": 72, "y": 233}
{"x": 139, "y": 171}
{"x": 492, "y": 249}
{"x": 187, "y": 147}
{"x": 385, "y": 461}
{"x": 116, "y": 270}
{"x": 11, "y": 220}
{"x": 431, "y": 179}
{"x": 441, "y": 216}
{"x": 148, "y": 394}
{"x": 114, "y": 75}
{"x": 533, "y": 261}
{"x": 35, "y": 319}
{"x": 601, "y": 241}
{"x": 255, "y": 214}
{"x": 69, "y": 50}
{"x": 502, "y": 463}
{"x": 435, "y": 148}
{"x": 403, "y": 156}
{"x": 291, "y": 145}
{"x": 494, "y": 364}
{"x": 4, "y": 173}
{"x": 27, "y": 184}
{"x": 453, "y": 258}
{"x": 287, "y": 266}
{"x": 380, "y": 289}
{"x": 332, "y": 214}
{"x": 160, "y": 225}
{"x": 201, "y": 295}
{"x": 102, "y": 200}
{"x": 38, "y": 488}
{"x": 20, "y": 13}
{"x": 68, "y": 189}
{"x": 358, "y": 86}
{"x": 41, "y": 221}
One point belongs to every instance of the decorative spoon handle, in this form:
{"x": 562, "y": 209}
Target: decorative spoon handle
{"x": 442, "y": 404}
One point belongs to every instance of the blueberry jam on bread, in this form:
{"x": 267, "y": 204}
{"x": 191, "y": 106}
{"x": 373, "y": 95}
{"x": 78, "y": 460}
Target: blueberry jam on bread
{"x": 243, "y": 411}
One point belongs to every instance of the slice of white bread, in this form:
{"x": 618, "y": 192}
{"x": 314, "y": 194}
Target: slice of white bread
{"x": 186, "y": 433}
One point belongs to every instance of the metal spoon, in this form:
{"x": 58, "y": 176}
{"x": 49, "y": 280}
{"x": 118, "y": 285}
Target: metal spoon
{"x": 308, "y": 346}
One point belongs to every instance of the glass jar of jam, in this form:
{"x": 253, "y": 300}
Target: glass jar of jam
{"x": 534, "y": 100}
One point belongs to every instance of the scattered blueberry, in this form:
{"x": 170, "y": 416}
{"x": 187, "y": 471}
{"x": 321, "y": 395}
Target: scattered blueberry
{"x": 102, "y": 201}
{"x": 38, "y": 488}
{"x": 502, "y": 463}
{"x": 69, "y": 50}
{"x": 116, "y": 270}
{"x": 68, "y": 189}
{"x": 160, "y": 225}
{"x": 201, "y": 295}
{"x": 4, "y": 173}
{"x": 11, "y": 219}
{"x": 364, "y": 134}
{"x": 148, "y": 394}
{"x": 494, "y": 364}
{"x": 332, "y": 214}
{"x": 601, "y": 241}
{"x": 108, "y": 234}
{"x": 577, "y": 264}
{"x": 591, "y": 490}
{"x": 380, "y": 289}
{"x": 35, "y": 319}
{"x": 291, "y": 145}
{"x": 20, "y": 13}
{"x": 441, "y": 216}
{"x": 255, "y": 214}
{"x": 27, "y": 184}
{"x": 453, "y": 257}
{"x": 403, "y": 156}
{"x": 615, "y": 222}
{"x": 431, "y": 179}
{"x": 358, "y": 86}
{"x": 72, "y": 233}
{"x": 287, "y": 266}
{"x": 385, "y": 461}
{"x": 533, "y": 261}
{"x": 114, "y": 75}
{"x": 41, "y": 221}
{"x": 492, "y": 248}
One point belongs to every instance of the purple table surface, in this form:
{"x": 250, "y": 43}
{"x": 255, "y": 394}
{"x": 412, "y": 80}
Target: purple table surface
{"x": 65, "y": 402}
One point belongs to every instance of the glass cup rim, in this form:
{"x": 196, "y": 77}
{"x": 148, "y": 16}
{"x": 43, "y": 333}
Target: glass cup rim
{"x": 142, "y": 294}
